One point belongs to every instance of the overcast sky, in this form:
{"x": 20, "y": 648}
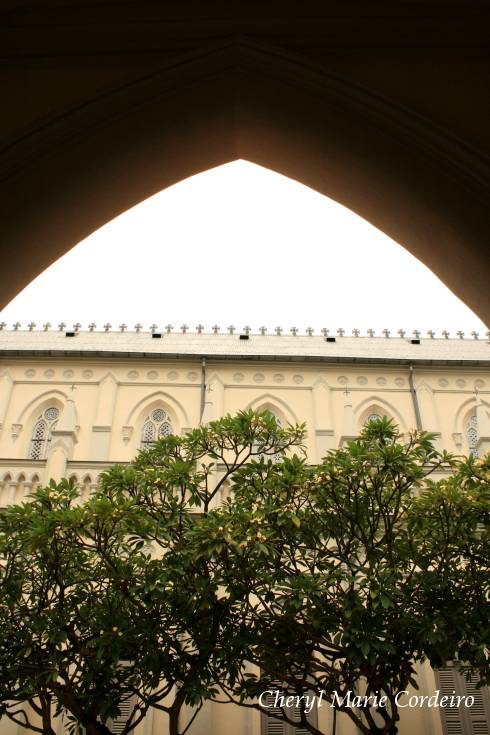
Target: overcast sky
{"x": 241, "y": 245}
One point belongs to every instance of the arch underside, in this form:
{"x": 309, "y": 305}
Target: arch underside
{"x": 77, "y": 171}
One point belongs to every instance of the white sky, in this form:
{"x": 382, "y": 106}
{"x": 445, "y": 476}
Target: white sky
{"x": 241, "y": 245}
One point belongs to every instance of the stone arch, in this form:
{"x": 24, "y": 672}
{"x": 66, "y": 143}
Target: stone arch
{"x": 39, "y": 403}
{"x": 20, "y": 489}
{"x": 467, "y": 409}
{"x": 35, "y": 481}
{"x": 274, "y": 404}
{"x": 376, "y": 404}
{"x": 5, "y": 489}
{"x": 243, "y": 99}
{"x": 34, "y": 409}
{"x": 175, "y": 409}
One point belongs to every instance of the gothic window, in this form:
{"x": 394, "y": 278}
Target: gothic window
{"x": 156, "y": 426}
{"x": 472, "y": 435}
{"x": 41, "y": 434}
{"x": 277, "y": 456}
{"x": 372, "y": 417}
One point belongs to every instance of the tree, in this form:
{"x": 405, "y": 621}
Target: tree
{"x": 349, "y": 573}
{"x": 326, "y": 578}
{"x": 92, "y": 619}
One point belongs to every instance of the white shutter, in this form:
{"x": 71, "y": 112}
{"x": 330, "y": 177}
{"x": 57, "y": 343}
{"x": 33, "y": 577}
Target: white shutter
{"x": 463, "y": 720}
{"x": 451, "y": 716}
{"x": 271, "y": 726}
{"x": 479, "y": 714}
{"x": 117, "y": 725}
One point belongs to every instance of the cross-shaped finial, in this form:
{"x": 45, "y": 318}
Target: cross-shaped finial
{"x": 31, "y": 326}
{"x": 138, "y": 327}
{"x": 16, "y": 326}
{"x": 370, "y": 332}
{"x": 168, "y": 328}
{"x": 107, "y": 327}
{"x": 247, "y": 330}
{"x": 309, "y": 331}
{"x": 401, "y": 332}
{"x": 153, "y": 328}
{"x": 445, "y": 334}
{"x": 460, "y": 334}
{"x": 91, "y": 326}
{"x": 356, "y": 332}
{"x": 386, "y": 333}
{"x": 416, "y": 333}
{"x": 76, "y": 327}
{"x": 431, "y": 334}
{"x": 184, "y": 328}
{"x": 262, "y": 330}
{"x": 2, "y": 325}
{"x": 294, "y": 331}
{"x": 123, "y": 327}
{"x": 475, "y": 335}
{"x": 199, "y": 328}
{"x": 324, "y": 331}
{"x": 231, "y": 329}
{"x": 46, "y": 326}
{"x": 61, "y": 326}
{"x": 278, "y": 331}
{"x": 346, "y": 392}
{"x": 215, "y": 328}
{"x": 340, "y": 332}
{"x": 73, "y": 387}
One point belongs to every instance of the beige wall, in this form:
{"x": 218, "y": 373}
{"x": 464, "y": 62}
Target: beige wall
{"x": 112, "y": 397}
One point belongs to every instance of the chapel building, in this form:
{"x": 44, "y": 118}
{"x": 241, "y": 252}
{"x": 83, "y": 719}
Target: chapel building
{"x": 73, "y": 402}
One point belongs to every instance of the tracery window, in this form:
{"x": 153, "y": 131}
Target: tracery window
{"x": 41, "y": 434}
{"x": 277, "y": 456}
{"x": 156, "y": 426}
{"x": 472, "y": 435}
{"x": 372, "y": 417}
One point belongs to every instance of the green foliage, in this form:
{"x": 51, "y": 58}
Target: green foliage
{"x": 319, "y": 576}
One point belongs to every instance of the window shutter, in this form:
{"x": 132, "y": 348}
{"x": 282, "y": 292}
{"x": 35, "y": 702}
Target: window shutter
{"x": 451, "y": 716}
{"x": 117, "y": 725}
{"x": 270, "y": 726}
{"x": 464, "y": 720}
{"x": 479, "y": 714}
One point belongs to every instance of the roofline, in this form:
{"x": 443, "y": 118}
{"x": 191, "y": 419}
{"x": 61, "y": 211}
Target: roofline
{"x": 197, "y": 357}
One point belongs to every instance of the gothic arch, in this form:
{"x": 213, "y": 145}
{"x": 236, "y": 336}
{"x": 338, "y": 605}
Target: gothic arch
{"x": 35, "y": 408}
{"x": 465, "y": 410}
{"x": 242, "y": 99}
{"x": 376, "y": 404}
{"x": 5, "y": 489}
{"x": 274, "y": 404}
{"x": 39, "y": 403}
{"x": 175, "y": 410}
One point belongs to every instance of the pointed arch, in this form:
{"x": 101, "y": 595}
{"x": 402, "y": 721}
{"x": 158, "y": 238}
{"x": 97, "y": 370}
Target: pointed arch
{"x": 5, "y": 490}
{"x": 35, "y": 481}
{"x": 274, "y": 404}
{"x": 376, "y": 405}
{"x": 466, "y": 430}
{"x": 174, "y": 408}
{"x": 37, "y": 404}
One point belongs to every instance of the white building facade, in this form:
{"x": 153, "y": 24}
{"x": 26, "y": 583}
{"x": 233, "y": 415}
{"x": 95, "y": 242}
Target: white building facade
{"x": 74, "y": 402}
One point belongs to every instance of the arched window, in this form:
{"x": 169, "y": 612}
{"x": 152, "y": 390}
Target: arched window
{"x": 156, "y": 426}
{"x": 277, "y": 456}
{"x": 472, "y": 435}
{"x": 372, "y": 417}
{"x": 41, "y": 434}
